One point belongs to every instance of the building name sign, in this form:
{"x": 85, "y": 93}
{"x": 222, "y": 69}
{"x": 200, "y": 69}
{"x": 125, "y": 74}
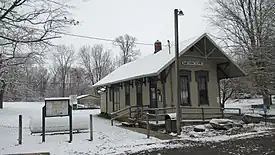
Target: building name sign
{"x": 192, "y": 63}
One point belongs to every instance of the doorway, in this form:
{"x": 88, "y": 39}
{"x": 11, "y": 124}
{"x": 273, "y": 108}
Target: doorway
{"x": 139, "y": 93}
{"x": 153, "y": 92}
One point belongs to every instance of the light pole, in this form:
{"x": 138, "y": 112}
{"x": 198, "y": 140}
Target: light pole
{"x": 177, "y": 99}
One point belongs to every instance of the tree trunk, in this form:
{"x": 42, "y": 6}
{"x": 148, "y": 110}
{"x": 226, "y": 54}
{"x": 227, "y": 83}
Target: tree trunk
{"x": 2, "y": 91}
{"x": 63, "y": 88}
{"x": 2, "y": 99}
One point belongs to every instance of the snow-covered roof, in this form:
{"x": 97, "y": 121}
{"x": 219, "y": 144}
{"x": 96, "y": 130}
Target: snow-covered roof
{"x": 57, "y": 98}
{"x": 82, "y": 96}
{"x": 86, "y": 95}
{"x": 150, "y": 65}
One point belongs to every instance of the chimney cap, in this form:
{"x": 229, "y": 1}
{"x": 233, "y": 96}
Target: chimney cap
{"x": 157, "y": 41}
{"x": 158, "y": 46}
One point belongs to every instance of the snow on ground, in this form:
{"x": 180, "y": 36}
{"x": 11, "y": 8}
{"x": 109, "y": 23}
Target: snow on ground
{"x": 245, "y": 106}
{"x": 211, "y": 135}
{"x": 107, "y": 139}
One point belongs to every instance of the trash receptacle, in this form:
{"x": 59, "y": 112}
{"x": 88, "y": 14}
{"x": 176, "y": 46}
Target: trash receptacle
{"x": 170, "y": 123}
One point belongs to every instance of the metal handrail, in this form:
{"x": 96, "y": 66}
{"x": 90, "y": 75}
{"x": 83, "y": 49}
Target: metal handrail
{"x": 121, "y": 110}
{"x": 125, "y": 109}
{"x": 202, "y": 112}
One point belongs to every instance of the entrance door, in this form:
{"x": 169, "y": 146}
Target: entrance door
{"x": 116, "y": 99}
{"x": 139, "y": 94}
{"x": 153, "y": 97}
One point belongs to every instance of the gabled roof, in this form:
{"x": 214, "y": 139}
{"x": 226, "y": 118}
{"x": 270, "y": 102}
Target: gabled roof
{"x": 150, "y": 65}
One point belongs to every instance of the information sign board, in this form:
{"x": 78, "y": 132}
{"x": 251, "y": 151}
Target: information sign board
{"x": 57, "y": 108}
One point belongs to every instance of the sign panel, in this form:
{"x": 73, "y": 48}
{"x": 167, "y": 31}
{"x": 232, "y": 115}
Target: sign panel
{"x": 192, "y": 63}
{"x": 57, "y": 108}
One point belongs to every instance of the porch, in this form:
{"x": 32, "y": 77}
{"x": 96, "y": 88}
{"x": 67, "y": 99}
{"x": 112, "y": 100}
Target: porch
{"x": 141, "y": 116}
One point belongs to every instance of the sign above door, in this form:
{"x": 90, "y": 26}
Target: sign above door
{"x": 192, "y": 63}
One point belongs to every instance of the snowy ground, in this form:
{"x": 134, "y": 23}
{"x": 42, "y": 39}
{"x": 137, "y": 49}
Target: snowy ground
{"x": 245, "y": 106}
{"x": 211, "y": 135}
{"x": 107, "y": 139}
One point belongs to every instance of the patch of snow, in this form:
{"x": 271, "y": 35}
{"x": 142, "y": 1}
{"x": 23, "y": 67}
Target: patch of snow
{"x": 107, "y": 139}
{"x": 173, "y": 134}
{"x": 57, "y": 98}
{"x": 211, "y": 135}
{"x": 56, "y": 124}
{"x": 220, "y": 121}
{"x": 82, "y": 96}
{"x": 172, "y": 115}
{"x": 245, "y": 106}
{"x": 254, "y": 115}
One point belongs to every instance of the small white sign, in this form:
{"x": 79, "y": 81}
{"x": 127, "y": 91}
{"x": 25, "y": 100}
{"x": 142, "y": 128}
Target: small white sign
{"x": 192, "y": 63}
{"x": 57, "y": 108}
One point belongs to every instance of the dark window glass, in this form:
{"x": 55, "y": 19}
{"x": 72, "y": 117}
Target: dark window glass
{"x": 111, "y": 93}
{"x": 127, "y": 95}
{"x": 202, "y": 90}
{"x": 139, "y": 94}
{"x": 184, "y": 90}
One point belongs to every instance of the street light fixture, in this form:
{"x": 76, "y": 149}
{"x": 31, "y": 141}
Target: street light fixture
{"x": 177, "y": 99}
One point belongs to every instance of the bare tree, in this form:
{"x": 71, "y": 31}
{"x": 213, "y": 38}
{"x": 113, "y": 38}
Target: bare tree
{"x": 27, "y": 27}
{"x": 77, "y": 80}
{"x": 249, "y": 25}
{"x": 97, "y": 62}
{"x": 63, "y": 58}
{"x": 230, "y": 87}
{"x": 127, "y": 46}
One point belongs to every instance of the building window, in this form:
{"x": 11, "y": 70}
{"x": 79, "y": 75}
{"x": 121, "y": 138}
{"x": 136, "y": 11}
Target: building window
{"x": 184, "y": 90}
{"x": 127, "y": 94}
{"x": 116, "y": 99}
{"x": 202, "y": 80}
{"x": 139, "y": 93}
{"x": 111, "y": 94}
{"x": 185, "y": 78}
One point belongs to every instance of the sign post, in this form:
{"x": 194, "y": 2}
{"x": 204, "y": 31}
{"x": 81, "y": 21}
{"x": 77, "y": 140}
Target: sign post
{"x": 265, "y": 111}
{"x": 57, "y": 107}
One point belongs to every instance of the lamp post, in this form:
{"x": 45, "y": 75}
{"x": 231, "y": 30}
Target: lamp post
{"x": 177, "y": 99}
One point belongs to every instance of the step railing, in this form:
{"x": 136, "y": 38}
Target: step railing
{"x": 158, "y": 114}
{"x": 135, "y": 112}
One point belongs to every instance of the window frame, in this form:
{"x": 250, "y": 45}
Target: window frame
{"x": 127, "y": 95}
{"x": 111, "y": 94}
{"x": 202, "y": 74}
{"x": 116, "y": 93}
{"x": 186, "y": 74}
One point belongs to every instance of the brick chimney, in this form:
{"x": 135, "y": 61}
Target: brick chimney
{"x": 158, "y": 46}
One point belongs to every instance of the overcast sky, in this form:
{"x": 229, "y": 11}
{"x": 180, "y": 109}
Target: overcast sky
{"x": 147, "y": 20}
